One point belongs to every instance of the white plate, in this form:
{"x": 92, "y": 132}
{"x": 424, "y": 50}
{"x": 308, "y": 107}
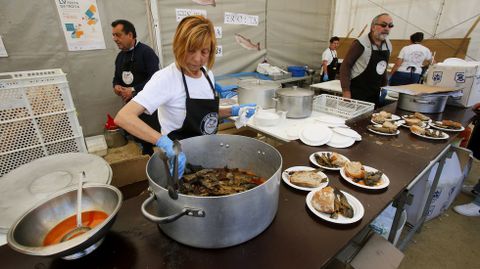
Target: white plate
{"x": 312, "y": 159}
{"x": 340, "y": 141}
{"x": 380, "y": 133}
{"x": 331, "y": 121}
{"x": 358, "y": 210}
{"x": 348, "y": 132}
{"x": 302, "y": 168}
{"x": 384, "y": 178}
{"x": 445, "y": 129}
{"x": 393, "y": 118}
{"x": 319, "y": 132}
{"x": 406, "y": 117}
{"x": 293, "y": 132}
{"x": 445, "y": 136}
{"x": 403, "y": 124}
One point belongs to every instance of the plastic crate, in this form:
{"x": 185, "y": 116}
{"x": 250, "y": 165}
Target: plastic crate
{"x": 37, "y": 117}
{"x": 343, "y": 107}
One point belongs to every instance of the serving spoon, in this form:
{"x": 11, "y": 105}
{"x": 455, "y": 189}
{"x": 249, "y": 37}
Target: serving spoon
{"x": 80, "y": 229}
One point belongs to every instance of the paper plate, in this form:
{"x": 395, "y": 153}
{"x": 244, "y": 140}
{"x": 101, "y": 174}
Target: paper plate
{"x": 302, "y": 168}
{"x": 393, "y": 118}
{"x": 380, "y": 133}
{"x": 330, "y": 121}
{"x": 445, "y": 136}
{"x": 340, "y": 141}
{"x": 30, "y": 183}
{"x": 384, "y": 184}
{"x": 314, "y": 161}
{"x": 434, "y": 125}
{"x": 315, "y": 134}
{"x": 358, "y": 210}
{"x": 348, "y": 132}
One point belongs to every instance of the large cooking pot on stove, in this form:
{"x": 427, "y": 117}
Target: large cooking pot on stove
{"x": 296, "y": 101}
{"x": 220, "y": 221}
{"x": 258, "y": 91}
{"x": 432, "y": 103}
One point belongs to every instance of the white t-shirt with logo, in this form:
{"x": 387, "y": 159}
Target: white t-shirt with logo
{"x": 165, "y": 92}
{"x": 413, "y": 55}
{"x": 328, "y": 54}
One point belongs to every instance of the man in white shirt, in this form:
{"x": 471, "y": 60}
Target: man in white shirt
{"x": 330, "y": 60}
{"x": 408, "y": 68}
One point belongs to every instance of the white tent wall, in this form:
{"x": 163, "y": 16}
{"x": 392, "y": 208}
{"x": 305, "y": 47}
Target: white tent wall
{"x": 298, "y": 31}
{"x": 33, "y": 37}
{"x": 235, "y": 58}
{"x": 436, "y": 18}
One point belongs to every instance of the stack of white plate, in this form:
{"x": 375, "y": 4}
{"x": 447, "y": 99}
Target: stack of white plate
{"x": 331, "y": 121}
{"x": 315, "y": 134}
{"x": 343, "y": 138}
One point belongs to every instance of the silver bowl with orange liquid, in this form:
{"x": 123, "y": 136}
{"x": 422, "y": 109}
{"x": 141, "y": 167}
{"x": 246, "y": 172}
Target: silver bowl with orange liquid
{"x": 41, "y": 230}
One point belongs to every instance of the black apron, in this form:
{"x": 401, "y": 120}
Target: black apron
{"x": 332, "y": 67}
{"x": 366, "y": 86}
{"x": 201, "y": 114}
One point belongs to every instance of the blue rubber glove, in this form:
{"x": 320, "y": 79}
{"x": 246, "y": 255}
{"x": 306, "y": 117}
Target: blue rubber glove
{"x": 166, "y": 144}
{"x": 250, "y": 111}
{"x": 325, "y": 77}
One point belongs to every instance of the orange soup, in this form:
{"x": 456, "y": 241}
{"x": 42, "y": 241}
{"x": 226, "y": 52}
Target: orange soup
{"x": 89, "y": 219}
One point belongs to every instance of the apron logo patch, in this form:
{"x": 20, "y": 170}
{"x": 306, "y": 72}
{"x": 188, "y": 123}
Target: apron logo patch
{"x": 437, "y": 76}
{"x": 209, "y": 123}
{"x": 460, "y": 77}
{"x": 381, "y": 67}
{"x": 127, "y": 77}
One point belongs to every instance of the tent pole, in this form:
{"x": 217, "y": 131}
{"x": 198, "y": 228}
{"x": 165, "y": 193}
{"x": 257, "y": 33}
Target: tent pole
{"x": 156, "y": 26}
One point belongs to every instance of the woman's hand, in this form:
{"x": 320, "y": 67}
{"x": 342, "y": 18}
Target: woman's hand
{"x": 236, "y": 110}
{"x": 166, "y": 144}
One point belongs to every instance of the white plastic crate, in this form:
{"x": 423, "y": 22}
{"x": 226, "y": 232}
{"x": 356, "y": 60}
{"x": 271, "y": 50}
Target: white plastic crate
{"x": 339, "y": 106}
{"x": 37, "y": 117}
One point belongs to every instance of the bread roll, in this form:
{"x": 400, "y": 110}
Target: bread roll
{"x": 309, "y": 179}
{"x": 323, "y": 200}
{"x": 452, "y": 123}
{"x": 385, "y": 114}
{"x": 420, "y": 116}
{"x": 413, "y": 121}
{"x": 354, "y": 170}
{"x": 390, "y": 126}
{"x": 337, "y": 160}
{"x": 417, "y": 129}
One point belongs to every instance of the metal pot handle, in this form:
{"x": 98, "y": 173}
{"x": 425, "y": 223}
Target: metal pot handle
{"x": 423, "y": 102}
{"x": 192, "y": 212}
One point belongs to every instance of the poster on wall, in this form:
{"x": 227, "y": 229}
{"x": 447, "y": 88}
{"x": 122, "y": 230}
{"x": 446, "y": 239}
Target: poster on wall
{"x": 81, "y": 24}
{"x": 3, "y": 50}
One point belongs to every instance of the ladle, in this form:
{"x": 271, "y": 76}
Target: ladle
{"x": 80, "y": 229}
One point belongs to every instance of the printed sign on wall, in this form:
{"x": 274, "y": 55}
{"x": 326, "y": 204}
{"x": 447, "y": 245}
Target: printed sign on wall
{"x": 238, "y": 18}
{"x": 184, "y": 12}
{"x": 81, "y": 24}
{"x": 218, "y": 31}
{"x": 219, "y": 51}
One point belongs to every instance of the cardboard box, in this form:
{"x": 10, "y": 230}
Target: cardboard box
{"x": 466, "y": 78}
{"x": 129, "y": 171}
{"x": 377, "y": 253}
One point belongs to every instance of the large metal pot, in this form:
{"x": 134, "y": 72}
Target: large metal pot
{"x": 296, "y": 101}
{"x": 260, "y": 92}
{"x": 222, "y": 221}
{"x": 433, "y": 103}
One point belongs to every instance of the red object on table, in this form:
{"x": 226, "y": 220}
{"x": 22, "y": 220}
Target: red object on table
{"x": 110, "y": 124}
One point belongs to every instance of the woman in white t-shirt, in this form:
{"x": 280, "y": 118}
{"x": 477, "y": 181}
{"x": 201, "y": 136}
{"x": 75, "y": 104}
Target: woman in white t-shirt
{"x": 183, "y": 93}
{"x": 408, "y": 68}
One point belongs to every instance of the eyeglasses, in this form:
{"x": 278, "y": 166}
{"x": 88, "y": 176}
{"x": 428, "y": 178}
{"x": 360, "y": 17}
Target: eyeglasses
{"x": 384, "y": 25}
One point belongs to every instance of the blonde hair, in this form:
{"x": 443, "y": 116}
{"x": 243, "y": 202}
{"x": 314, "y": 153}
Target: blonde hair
{"x": 193, "y": 33}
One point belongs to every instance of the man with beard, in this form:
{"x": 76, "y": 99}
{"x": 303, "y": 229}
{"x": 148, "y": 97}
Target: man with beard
{"x": 363, "y": 70}
{"x": 134, "y": 66}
